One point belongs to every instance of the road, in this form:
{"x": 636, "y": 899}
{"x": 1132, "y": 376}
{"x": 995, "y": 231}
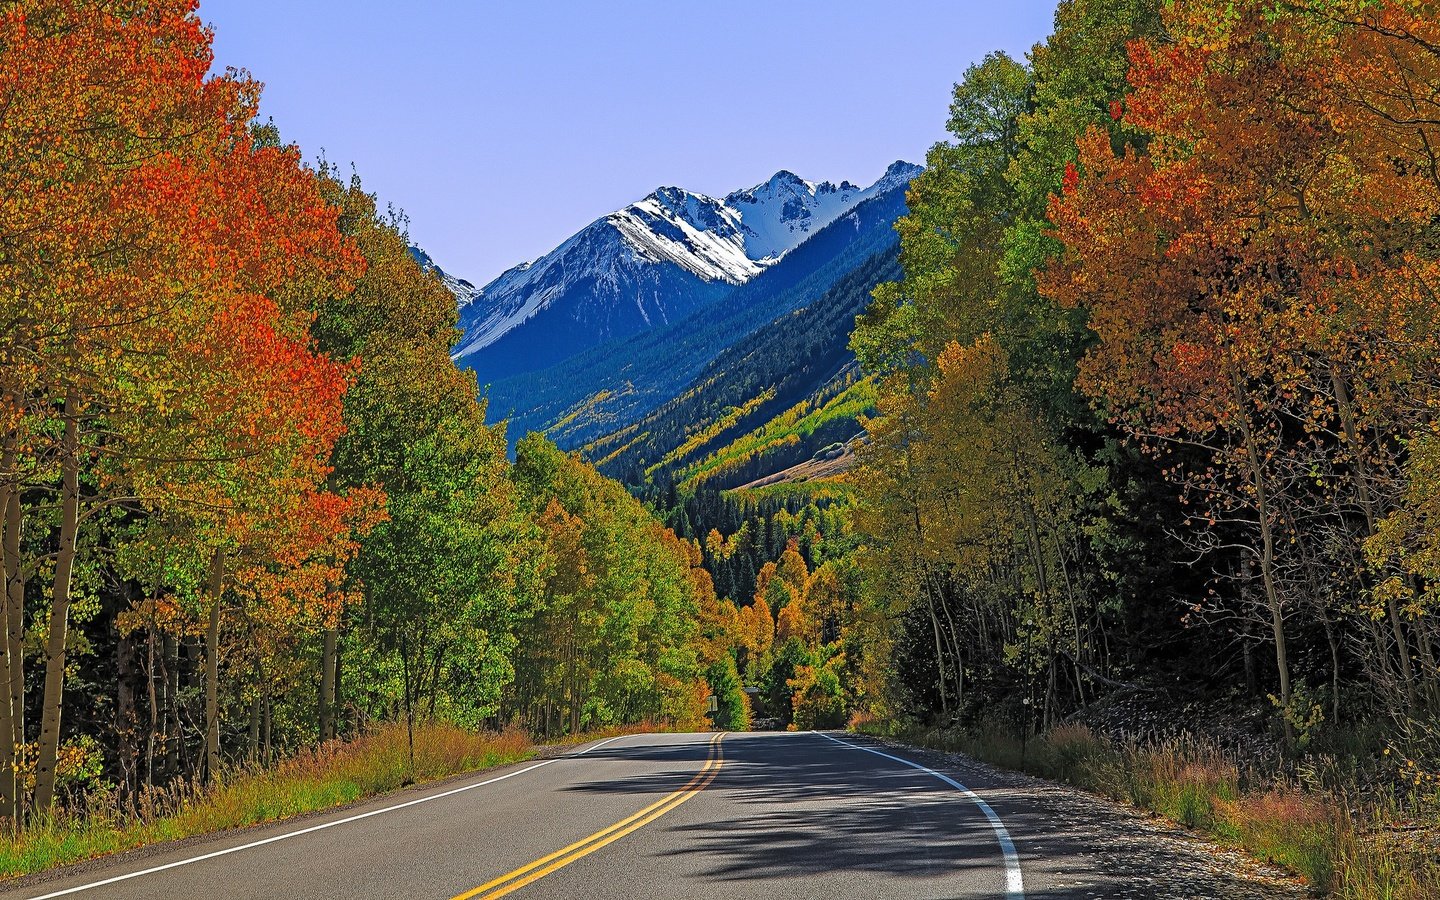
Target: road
{"x": 764, "y": 815}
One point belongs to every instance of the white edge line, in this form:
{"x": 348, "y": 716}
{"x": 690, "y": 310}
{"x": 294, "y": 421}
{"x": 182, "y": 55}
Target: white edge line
{"x": 323, "y": 825}
{"x": 1014, "y": 881}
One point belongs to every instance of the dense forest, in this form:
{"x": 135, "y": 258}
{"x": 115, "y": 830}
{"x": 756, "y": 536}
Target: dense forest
{"x": 249, "y": 502}
{"x": 1154, "y": 414}
{"x": 1158, "y": 386}
{"x": 798, "y": 360}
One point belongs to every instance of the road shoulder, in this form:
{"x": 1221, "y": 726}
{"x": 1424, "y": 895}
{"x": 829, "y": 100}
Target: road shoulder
{"x": 1076, "y": 844}
{"x": 199, "y": 844}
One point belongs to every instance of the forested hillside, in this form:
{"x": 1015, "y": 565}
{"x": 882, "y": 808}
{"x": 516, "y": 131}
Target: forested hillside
{"x": 798, "y": 363}
{"x": 1151, "y": 438}
{"x": 604, "y": 390}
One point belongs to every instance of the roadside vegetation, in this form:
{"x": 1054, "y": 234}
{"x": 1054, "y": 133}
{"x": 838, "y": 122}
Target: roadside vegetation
{"x": 1154, "y": 385}
{"x": 319, "y": 778}
{"x": 249, "y": 507}
{"x": 1154, "y": 417}
{"x": 1314, "y": 820}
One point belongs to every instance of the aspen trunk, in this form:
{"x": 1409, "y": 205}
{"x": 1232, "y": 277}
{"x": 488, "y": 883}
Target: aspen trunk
{"x": 212, "y": 667}
{"x": 127, "y": 719}
{"x": 953, "y": 636}
{"x": 170, "y": 663}
{"x": 939, "y": 652}
{"x": 1334, "y": 643}
{"x": 50, "y": 710}
{"x": 1267, "y": 559}
{"x": 252, "y": 734}
{"x": 154, "y": 701}
{"x": 409, "y": 706}
{"x": 574, "y": 684}
{"x": 9, "y": 564}
{"x": 14, "y": 623}
{"x": 1429, "y": 668}
{"x": 337, "y": 717}
{"x": 930, "y": 606}
{"x": 1360, "y": 473}
{"x": 265, "y": 729}
{"x": 327, "y": 685}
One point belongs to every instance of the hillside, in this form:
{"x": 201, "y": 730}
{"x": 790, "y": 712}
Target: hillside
{"x": 827, "y": 463}
{"x": 765, "y": 403}
{"x": 599, "y": 392}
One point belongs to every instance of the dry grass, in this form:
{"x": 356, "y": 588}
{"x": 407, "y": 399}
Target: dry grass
{"x": 340, "y": 772}
{"x": 1352, "y": 849}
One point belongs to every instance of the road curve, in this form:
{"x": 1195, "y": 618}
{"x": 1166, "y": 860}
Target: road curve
{"x": 795, "y": 815}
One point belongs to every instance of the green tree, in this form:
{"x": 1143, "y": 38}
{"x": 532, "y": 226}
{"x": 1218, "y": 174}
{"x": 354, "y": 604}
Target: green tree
{"x": 733, "y": 706}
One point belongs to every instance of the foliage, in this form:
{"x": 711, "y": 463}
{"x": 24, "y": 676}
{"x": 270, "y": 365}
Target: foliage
{"x": 733, "y": 706}
{"x": 614, "y": 633}
{"x": 248, "y": 504}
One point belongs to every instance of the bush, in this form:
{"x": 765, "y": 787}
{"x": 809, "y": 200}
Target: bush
{"x": 817, "y": 698}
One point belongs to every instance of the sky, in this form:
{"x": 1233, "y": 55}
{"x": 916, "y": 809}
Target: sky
{"x": 503, "y": 127}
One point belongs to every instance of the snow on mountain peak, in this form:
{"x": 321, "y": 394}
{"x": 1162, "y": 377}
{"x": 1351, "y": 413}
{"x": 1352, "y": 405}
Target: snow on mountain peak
{"x": 781, "y": 213}
{"x": 697, "y": 233}
{"x": 715, "y": 240}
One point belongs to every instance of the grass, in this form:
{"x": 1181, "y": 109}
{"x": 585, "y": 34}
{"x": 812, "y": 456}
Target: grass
{"x": 1377, "y": 848}
{"x": 335, "y": 774}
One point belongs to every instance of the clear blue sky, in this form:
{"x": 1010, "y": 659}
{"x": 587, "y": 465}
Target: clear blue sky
{"x": 504, "y": 127}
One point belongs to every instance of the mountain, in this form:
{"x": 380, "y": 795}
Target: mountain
{"x": 463, "y": 290}
{"x": 645, "y": 266}
{"x": 771, "y": 400}
{"x": 605, "y": 389}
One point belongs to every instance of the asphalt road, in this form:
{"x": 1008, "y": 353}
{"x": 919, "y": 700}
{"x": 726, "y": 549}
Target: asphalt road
{"x": 764, "y": 815}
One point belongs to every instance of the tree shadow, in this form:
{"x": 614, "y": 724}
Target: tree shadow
{"x": 798, "y": 806}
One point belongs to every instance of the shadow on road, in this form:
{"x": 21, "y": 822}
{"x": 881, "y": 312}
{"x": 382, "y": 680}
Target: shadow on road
{"x": 794, "y": 806}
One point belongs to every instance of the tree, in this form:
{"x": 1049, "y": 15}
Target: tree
{"x": 732, "y": 704}
{"x": 142, "y": 245}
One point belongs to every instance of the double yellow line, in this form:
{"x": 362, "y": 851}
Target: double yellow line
{"x": 514, "y": 880}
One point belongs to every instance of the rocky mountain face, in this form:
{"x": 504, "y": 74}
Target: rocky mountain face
{"x": 650, "y": 264}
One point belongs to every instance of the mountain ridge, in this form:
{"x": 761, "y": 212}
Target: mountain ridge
{"x": 647, "y": 264}
{"x": 607, "y": 387}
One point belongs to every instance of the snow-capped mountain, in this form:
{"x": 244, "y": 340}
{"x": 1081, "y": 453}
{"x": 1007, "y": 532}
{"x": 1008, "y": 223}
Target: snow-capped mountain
{"x": 647, "y": 264}
{"x": 784, "y": 211}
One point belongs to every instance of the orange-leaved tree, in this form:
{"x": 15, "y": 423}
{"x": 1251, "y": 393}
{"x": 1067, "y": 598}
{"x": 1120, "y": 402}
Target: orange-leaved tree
{"x": 148, "y": 237}
{"x": 1263, "y": 315}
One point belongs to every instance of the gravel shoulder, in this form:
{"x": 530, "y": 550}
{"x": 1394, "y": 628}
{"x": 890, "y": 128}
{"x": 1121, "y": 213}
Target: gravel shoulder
{"x": 1074, "y": 844}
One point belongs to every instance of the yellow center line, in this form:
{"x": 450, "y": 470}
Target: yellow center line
{"x": 518, "y": 878}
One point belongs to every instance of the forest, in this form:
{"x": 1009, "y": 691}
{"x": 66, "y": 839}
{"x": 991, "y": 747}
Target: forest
{"x": 1149, "y": 411}
{"x": 1158, "y": 386}
{"x": 250, "y": 504}
{"x": 1147, "y": 500}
